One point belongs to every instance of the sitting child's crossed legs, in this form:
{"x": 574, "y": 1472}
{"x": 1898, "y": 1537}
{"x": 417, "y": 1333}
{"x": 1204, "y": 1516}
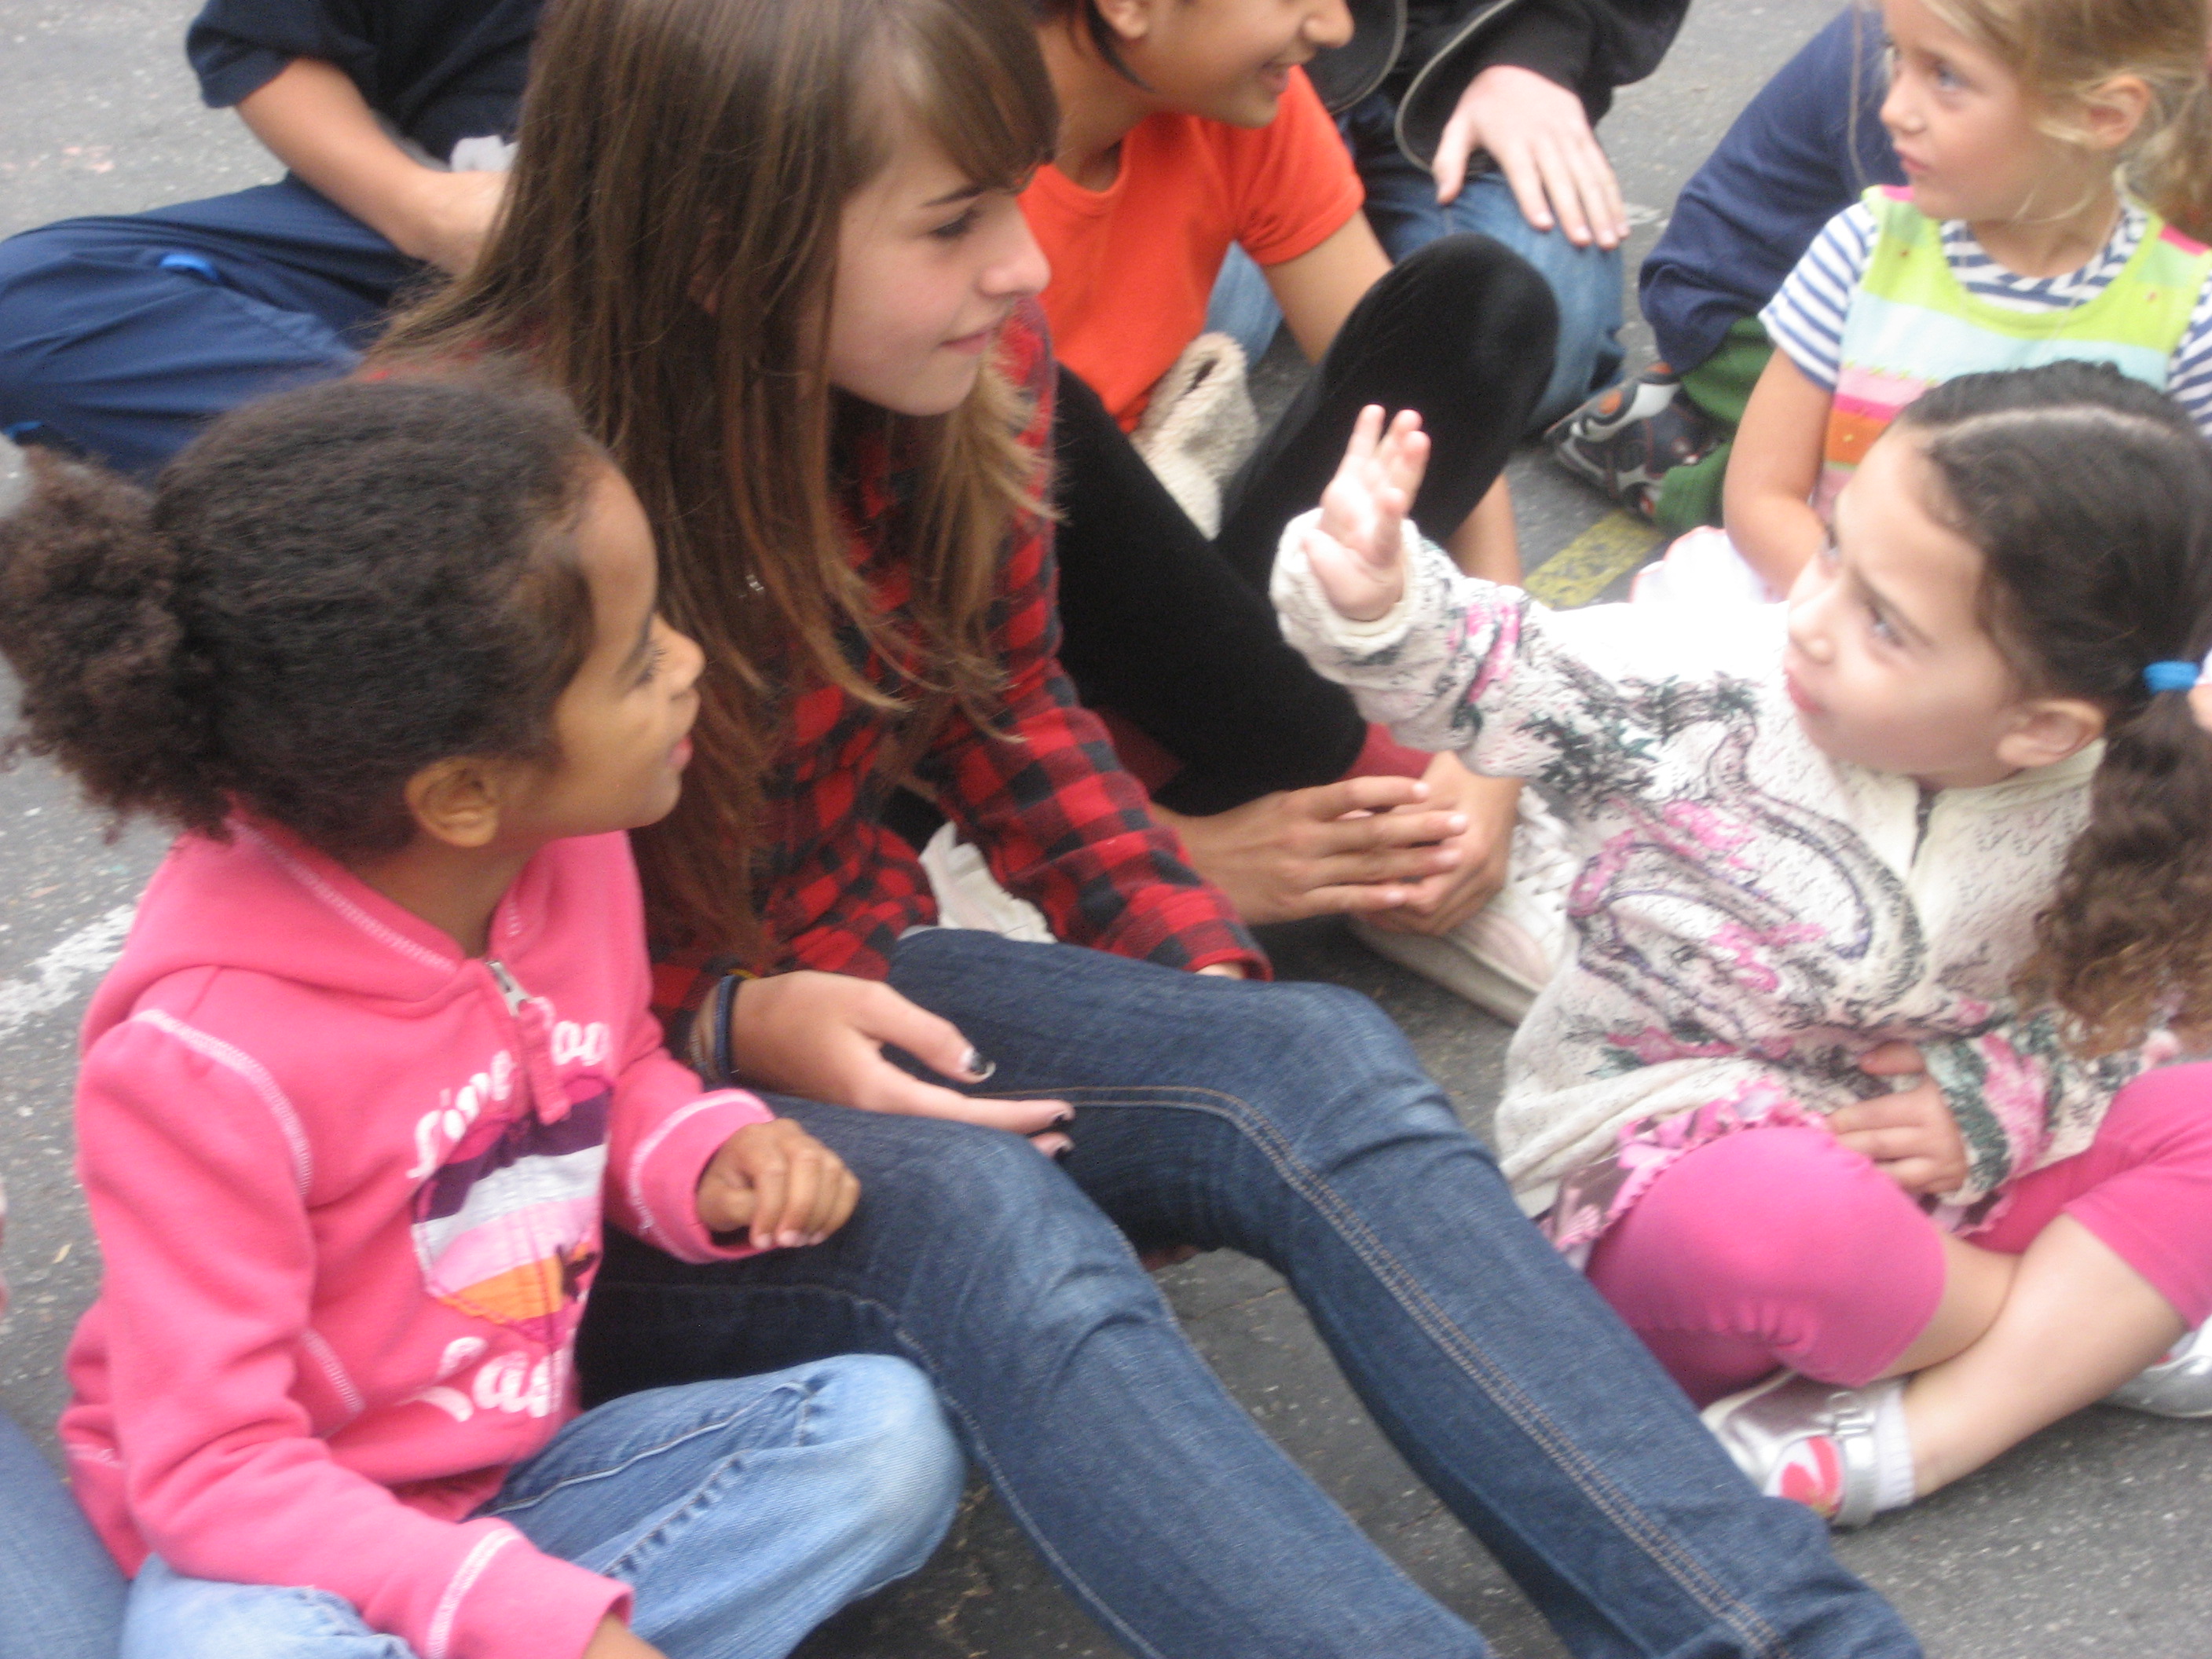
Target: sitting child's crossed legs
{"x": 1780, "y": 1248}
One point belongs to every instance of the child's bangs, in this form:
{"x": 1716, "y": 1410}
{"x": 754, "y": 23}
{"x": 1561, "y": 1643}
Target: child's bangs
{"x": 976, "y": 81}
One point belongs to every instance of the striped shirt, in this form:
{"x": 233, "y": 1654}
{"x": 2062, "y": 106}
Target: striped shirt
{"x": 1805, "y": 319}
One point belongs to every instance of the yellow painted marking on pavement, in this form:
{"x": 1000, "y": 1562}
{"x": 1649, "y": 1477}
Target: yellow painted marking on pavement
{"x": 1590, "y": 563}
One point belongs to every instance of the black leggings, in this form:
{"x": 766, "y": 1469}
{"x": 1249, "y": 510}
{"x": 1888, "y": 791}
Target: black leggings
{"x": 1174, "y": 633}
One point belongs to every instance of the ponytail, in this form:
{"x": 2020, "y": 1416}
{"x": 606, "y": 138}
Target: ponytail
{"x": 327, "y": 591}
{"x": 2173, "y": 168}
{"x": 2127, "y": 945}
{"x": 91, "y": 618}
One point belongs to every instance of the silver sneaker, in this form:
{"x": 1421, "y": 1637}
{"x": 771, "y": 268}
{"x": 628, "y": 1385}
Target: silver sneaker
{"x": 2179, "y": 1385}
{"x": 1811, "y": 1443}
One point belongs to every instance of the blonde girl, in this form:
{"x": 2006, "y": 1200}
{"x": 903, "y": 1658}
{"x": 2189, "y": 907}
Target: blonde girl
{"x": 774, "y": 252}
{"x": 2055, "y": 159}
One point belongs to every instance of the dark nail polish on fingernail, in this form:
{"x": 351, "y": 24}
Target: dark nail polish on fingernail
{"x": 1061, "y": 1156}
{"x": 976, "y": 1066}
{"x": 1063, "y": 1120}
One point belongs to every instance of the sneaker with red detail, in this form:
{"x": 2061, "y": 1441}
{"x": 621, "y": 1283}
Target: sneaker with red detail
{"x": 1811, "y": 1443}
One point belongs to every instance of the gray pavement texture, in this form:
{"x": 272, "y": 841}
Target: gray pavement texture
{"x": 2089, "y": 1540}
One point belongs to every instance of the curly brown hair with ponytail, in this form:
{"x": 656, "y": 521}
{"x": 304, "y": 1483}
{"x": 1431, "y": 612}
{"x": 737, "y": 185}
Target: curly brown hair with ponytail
{"x": 327, "y": 591}
{"x": 2090, "y": 496}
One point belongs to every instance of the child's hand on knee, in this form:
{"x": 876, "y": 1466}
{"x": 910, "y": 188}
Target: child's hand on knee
{"x": 1910, "y": 1135}
{"x": 1358, "y": 548}
{"x": 778, "y": 1183}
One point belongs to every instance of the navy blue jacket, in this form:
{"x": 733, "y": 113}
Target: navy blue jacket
{"x": 1795, "y": 159}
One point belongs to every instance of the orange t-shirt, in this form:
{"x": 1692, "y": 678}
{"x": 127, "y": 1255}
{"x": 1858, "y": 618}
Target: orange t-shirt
{"x": 1133, "y": 265}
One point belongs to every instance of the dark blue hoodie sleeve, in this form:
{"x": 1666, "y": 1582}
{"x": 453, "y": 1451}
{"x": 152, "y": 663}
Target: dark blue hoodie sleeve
{"x": 438, "y": 71}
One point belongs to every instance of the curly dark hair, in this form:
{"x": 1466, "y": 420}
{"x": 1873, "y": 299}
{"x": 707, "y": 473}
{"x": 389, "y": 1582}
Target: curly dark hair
{"x": 328, "y": 591}
{"x": 2090, "y": 495}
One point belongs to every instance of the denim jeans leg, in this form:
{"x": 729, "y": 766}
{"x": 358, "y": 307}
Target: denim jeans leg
{"x": 1585, "y": 282}
{"x": 122, "y": 336}
{"x": 1243, "y": 307}
{"x": 742, "y": 1512}
{"x": 1293, "y": 1123}
{"x": 60, "y": 1595}
{"x": 745, "y": 1512}
{"x": 1146, "y": 1490}
{"x": 169, "y": 1616}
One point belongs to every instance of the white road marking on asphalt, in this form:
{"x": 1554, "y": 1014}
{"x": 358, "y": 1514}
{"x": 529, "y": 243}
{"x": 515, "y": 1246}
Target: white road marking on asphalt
{"x": 54, "y": 976}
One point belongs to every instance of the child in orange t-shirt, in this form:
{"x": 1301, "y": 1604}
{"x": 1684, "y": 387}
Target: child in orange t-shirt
{"x": 1190, "y": 126}
{"x": 1133, "y": 265}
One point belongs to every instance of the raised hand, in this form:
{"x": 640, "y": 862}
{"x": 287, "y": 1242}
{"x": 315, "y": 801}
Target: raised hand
{"x": 1357, "y": 548}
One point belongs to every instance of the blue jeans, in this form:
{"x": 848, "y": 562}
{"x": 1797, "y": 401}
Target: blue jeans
{"x": 1402, "y": 207}
{"x": 120, "y": 337}
{"x": 1293, "y": 1123}
{"x": 743, "y": 1513}
{"x": 60, "y": 1595}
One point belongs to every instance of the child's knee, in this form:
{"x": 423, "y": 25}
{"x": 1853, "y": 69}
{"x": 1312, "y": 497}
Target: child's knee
{"x": 904, "y": 1468}
{"x": 1773, "y": 1214}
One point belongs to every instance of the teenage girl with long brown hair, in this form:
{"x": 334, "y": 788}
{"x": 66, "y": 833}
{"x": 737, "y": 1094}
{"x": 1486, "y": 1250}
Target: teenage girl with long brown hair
{"x": 774, "y": 253}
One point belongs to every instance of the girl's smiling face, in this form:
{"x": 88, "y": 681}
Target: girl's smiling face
{"x": 1228, "y": 60}
{"x": 1889, "y": 663}
{"x": 929, "y": 264}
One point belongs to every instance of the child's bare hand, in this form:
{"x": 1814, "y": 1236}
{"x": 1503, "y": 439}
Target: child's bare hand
{"x": 1358, "y": 550}
{"x": 780, "y": 1183}
{"x": 1910, "y": 1136}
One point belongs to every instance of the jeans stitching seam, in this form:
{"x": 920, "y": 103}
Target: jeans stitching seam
{"x": 1692, "y": 1574}
{"x": 715, "y": 1426}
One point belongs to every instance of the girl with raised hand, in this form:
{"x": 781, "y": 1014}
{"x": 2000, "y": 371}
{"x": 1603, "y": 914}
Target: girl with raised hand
{"x": 377, "y": 1057}
{"x": 2054, "y": 157}
{"x": 1874, "y": 947}
{"x": 775, "y": 252}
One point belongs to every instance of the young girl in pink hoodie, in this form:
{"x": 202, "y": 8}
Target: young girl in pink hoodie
{"x": 377, "y": 1056}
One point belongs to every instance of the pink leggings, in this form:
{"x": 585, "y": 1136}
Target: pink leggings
{"x": 1780, "y": 1248}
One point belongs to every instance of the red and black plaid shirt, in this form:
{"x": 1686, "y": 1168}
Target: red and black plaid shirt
{"x": 1061, "y": 822}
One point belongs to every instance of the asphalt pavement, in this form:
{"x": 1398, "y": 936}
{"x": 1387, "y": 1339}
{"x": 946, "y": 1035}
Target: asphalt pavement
{"x": 2088, "y": 1540}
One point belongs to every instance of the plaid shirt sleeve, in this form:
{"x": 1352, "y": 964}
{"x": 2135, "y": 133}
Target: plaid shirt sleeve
{"x": 1045, "y": 798}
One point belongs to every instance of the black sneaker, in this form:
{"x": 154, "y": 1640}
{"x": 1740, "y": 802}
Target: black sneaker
{"x": 1629, "y": 436}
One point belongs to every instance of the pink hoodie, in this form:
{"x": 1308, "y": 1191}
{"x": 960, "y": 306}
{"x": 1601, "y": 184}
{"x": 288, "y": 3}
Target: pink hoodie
{"x": 348, "y": 1183}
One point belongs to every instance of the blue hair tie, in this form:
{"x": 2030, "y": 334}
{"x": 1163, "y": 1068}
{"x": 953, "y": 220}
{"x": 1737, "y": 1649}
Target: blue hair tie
{"x": 2171, "y": 676}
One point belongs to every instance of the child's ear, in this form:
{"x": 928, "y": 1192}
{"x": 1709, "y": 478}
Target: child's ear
{"x": 2111, "y": 112}
{"x": 2049, "y": 730}
{"x": 458, "y": 801}
{"x": 1131, "y": 20}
